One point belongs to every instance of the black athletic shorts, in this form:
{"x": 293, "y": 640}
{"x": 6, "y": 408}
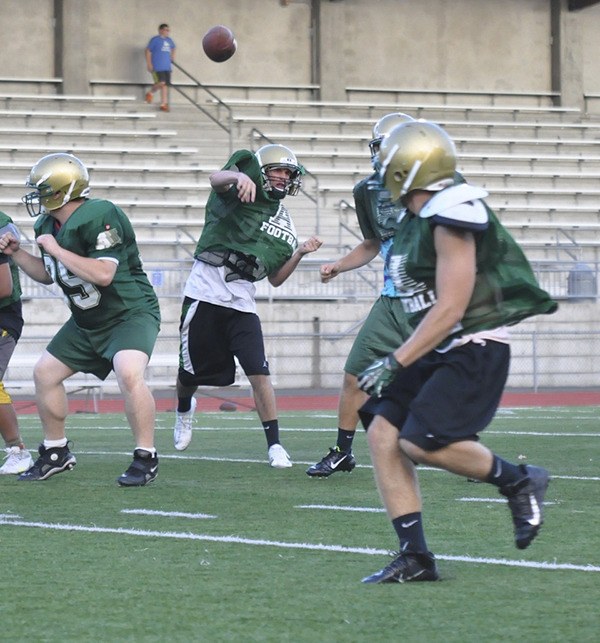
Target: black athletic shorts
{"x": 162, "y": 77}
{"x": 444, "y": 397}
{"x": 211, "y": 336}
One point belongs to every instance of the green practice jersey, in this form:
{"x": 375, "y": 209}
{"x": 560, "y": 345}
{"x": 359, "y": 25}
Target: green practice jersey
{"x": 99, "y": 229}
{"x": 376, "y": 214}
{"x": 262, "y": 232}
{"x": 505, "y": 291}
{"x": 16, "y": 292}
{"x": 11, "y": 315}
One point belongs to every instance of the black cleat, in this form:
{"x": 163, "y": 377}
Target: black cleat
{"x": 51, "y": 461}
{"x": 335, "y": 460}
{"x": 141, "y": 471}
{"x": 526, "y": 503}
{"x": 405, "y": 568}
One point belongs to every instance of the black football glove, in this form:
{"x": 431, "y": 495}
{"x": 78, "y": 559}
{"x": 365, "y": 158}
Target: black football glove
{"x": 377, "y": 376}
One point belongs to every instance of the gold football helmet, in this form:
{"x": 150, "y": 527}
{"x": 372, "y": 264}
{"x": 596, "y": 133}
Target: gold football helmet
{"x": 278, "y": 156}
{"x": 56, "y": 179}
{"x": 384, "y": 126}
{"x": 417, "y": 155}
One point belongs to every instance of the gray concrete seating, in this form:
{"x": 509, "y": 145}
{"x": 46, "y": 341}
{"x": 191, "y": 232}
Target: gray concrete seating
{"x": 47, "y": 148}
{"x": 541, "y": 98}
{"x": 353, "y": 160}
{"x": 329, "y": 125}
{"x": 571, "y": 192}
{"x": 9, "y": 98}
{"x": 97, "y": 166}
{"x": 37, "y": 84}
{"x": 223, "y": 89}
{"x": 361, "y": 140}
{"x": 13, "y": 206}
{"x": 376, "y": 109}
{"x": 76, "y": 133}
{"x": 80, "y": 115}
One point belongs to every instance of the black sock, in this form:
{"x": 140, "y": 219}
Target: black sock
{"x": 504, "y": 473}
{"x": 271, "y": 432}
{"x": 344, "y": 440}
{"x": 410, "y": 532}
{"x": 184, "y": 404}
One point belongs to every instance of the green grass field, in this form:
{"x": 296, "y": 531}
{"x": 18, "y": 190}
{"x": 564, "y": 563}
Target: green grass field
{"x": 223, "y": 548}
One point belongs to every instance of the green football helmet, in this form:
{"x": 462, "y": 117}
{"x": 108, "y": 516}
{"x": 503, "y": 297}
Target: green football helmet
{"x": 384, "y": 126}
{"x": 417, "y": 155}
{"x": 278, "y": 156}
{"x": 56, "y": 179}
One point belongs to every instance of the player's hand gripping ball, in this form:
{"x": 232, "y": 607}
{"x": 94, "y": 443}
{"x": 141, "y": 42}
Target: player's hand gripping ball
{"x": 219, "y": 43}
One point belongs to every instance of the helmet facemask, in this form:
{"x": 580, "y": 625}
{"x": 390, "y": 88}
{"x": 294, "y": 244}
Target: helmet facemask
{"x": 381, "y": 128}
{"x": 56, "y": 179}
{"x": 271, "y": 157}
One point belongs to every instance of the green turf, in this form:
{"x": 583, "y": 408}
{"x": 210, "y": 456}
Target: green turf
{"x": 135, "y": 577}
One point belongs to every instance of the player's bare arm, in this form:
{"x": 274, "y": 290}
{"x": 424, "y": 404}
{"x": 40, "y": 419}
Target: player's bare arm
{"x": 6, "y": 282}
{"x": 359, "y": 256}
{"x": 310, "y": 245}
{"x": 455, "y": 280}
{"x": 30, "y": 264}
{"x": 222, "y": 180}
{"x": 99, "y": 272}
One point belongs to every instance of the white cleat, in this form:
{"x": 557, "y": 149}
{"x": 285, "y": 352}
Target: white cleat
{"x": 17, "y": 461}
{"x": 182, "y": 431}
{"x": 278, "y": 457}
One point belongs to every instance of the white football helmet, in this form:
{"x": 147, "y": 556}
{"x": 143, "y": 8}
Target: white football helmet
{"x": 56, "y": 179}
{"x": 417, "y": 155}
{"x": 384, "y": 126}
{"x": 278, "y": 156}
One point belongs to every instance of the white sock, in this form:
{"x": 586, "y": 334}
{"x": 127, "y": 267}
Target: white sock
{"x": 53, "y": 444}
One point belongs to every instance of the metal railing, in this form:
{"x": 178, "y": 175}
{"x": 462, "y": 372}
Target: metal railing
{"x": 217, "y": 103}
{"x": 564, "y": 281}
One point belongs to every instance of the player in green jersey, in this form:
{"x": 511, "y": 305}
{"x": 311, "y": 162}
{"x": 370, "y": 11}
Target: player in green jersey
{"x": 248, "y": 235}
{"x": 17, "y": 459}
{"x": 462, "y": 281}
{"x": 89, "y": 249}
{"x": 385, "y": 327}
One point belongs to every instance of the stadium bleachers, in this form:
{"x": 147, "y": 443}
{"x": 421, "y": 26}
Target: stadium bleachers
{"x": 540, "y": 164}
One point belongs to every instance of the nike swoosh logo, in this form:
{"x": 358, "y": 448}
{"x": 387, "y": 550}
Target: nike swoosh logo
{"x": 406, "y": 525}
{"x": 535, "y": 520}
{"x": 335, "y": 465}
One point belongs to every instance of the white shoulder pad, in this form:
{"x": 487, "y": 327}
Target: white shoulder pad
{"x": 446, "y": 201}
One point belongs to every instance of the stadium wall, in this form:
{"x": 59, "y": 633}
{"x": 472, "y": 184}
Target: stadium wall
{"x": 496, "y": 45}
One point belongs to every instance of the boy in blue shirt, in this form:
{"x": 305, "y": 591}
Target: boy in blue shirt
{"x": 160, "y": 52}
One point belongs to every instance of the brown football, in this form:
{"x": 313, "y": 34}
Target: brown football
{"x": 219, "y": 43}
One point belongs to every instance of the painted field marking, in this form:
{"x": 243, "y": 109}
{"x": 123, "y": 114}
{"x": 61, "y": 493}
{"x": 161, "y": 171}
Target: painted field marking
{"x": 340, "y": 508}
{"x": 166, "y": 514}
{"x": 203, "y": 458}
{"x": 378, "y": 510}
{"x": 499, "y": 500}
{"x": 121, "y": 531}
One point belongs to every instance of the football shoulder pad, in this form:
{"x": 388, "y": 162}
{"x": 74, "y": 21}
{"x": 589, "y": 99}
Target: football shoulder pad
{"x": 459, "y": 203}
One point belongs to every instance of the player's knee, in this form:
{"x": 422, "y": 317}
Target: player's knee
{"x": 414, "y": 450}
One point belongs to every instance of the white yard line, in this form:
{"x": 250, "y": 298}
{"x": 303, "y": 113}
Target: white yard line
{"x": 166, "y": 514}
{"x": 199, "y": 458}
{"x": 238, "y": 540}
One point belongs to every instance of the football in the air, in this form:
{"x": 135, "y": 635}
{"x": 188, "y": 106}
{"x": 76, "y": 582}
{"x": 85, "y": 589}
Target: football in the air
{"x": 219, "y": 43}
